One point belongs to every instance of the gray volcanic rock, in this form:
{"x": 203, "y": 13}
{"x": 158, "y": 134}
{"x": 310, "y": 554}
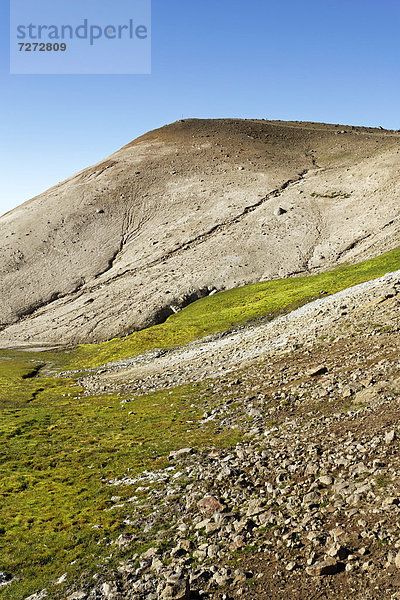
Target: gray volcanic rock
{"x": 188, "y": 209}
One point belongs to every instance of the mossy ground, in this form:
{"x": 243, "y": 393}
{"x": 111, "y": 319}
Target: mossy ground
{"x": 58, "y": 449}
{"x": 58, "y": 446}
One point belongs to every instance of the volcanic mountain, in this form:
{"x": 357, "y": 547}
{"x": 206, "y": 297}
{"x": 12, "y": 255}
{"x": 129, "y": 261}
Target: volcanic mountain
{"x": 189, "y": 209}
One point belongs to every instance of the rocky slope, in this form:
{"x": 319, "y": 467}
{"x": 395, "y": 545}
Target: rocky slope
{"x": 307, "y": 504}
{"x": 190, "y": 208}
{"x": 226, "y": 352}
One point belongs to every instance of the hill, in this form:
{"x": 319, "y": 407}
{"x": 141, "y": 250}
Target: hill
{"x": 189, "y": 209}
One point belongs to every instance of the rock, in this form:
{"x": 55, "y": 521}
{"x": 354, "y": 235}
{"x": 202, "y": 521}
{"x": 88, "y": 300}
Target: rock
{"x": 61, "y": 579}
{"x": 397, "y": 560}
{"x": 178, "y": 453}
{"x": 390, "y": 436}
{"x": 150, "y": 553}
{"x": 210, "y": 505}
{"x": 4, "y": 578}
{"x": 315, "y": 371}
{"x": 77, "y": 596}
{"x": 38, "y": 596}
{"x": 109, "y": 591}
{"x": 326, "y": 480}
{"x": 338, "y": 551}
{"x": 329, "y": 566}
{"x": 302, "y": 495}
{"x": 179, "y": 590}
{"x": 280, "y": 211}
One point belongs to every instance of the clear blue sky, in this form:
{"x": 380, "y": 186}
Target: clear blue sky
{"x": 335, "y": 61}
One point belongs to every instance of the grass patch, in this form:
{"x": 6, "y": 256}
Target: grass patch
{"x": 19, "y": 385}
{"x": 381, "y": 481}
{"x": 229, "y": 309}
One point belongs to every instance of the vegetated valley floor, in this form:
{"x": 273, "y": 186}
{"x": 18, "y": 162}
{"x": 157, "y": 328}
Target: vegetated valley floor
{"x": 274, "y": 475}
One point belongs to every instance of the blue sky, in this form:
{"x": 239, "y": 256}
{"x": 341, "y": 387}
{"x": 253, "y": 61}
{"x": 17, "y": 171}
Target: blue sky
{"x": 319, "y": 60}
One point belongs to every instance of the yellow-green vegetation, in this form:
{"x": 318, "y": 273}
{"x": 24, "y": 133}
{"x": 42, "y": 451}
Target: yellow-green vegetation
{"x": 58, "y": 448}
{"x": 225, "y": 310}
{"x": 19, "y": 384}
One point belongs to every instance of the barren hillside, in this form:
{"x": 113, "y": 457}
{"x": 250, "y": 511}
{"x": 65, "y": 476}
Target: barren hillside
{"x": 193, "y": 207}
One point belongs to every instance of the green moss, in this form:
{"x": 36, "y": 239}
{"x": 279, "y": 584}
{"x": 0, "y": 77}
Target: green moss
{"x": 19, "y": 385}
{"x": 59, "y": 449}
{"x": 381, "y": 481}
